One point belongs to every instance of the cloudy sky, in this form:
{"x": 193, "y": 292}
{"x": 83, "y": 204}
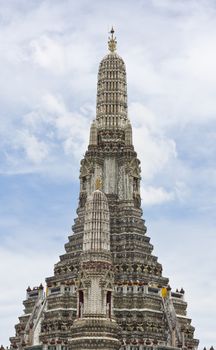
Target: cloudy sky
{"x": 49, "y": 56}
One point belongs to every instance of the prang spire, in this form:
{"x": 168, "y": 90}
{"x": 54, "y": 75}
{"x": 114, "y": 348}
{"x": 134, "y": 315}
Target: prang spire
{"x": 112, "y": 90}
{"x": 108, "y": 291}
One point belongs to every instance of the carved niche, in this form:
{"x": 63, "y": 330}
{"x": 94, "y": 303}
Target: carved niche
{"x": 133, "y": 170}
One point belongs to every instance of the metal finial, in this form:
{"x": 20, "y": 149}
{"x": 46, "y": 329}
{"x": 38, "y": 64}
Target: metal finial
{"x": 112, "y": 32}
{"x": 112, "y": 41}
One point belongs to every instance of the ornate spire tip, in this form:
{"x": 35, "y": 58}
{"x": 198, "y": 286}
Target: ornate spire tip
{"x": 112, "y": 41}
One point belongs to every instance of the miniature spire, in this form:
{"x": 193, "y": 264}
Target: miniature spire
{"x": 112, "y": 41}
{"x": 96, "y": 225}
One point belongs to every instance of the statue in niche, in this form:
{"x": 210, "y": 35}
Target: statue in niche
{"x": 84, "y": 183}
{"x": 135, "y": 184}
{"x": 82, "y": 199}
{"x": 137, "y": 200}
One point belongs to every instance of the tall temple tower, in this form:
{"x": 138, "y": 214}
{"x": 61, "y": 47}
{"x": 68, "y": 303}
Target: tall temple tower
{"x": 107, "y": 291}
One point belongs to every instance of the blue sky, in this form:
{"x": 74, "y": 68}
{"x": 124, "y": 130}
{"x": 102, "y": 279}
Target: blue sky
{"x": 49, "y": 57}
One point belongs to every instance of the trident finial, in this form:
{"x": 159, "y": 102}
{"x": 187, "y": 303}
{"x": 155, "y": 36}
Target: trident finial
{"x": 112, "y": 32}
{"x": 112, "y": 41}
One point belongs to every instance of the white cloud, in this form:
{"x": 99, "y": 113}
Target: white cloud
{"x": 154, "y": 148}
{"x": 36, "y": 150}
{"x": 71, "y": 128}
{"x": 151, "y": 195}
{"x": 45, "y": 134}
{"x": 182, "y": 191}
{"x": 49, "y": 54}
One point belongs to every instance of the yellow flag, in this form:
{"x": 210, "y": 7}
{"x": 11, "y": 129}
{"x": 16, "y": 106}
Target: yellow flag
{"x": 164, "y": 292}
